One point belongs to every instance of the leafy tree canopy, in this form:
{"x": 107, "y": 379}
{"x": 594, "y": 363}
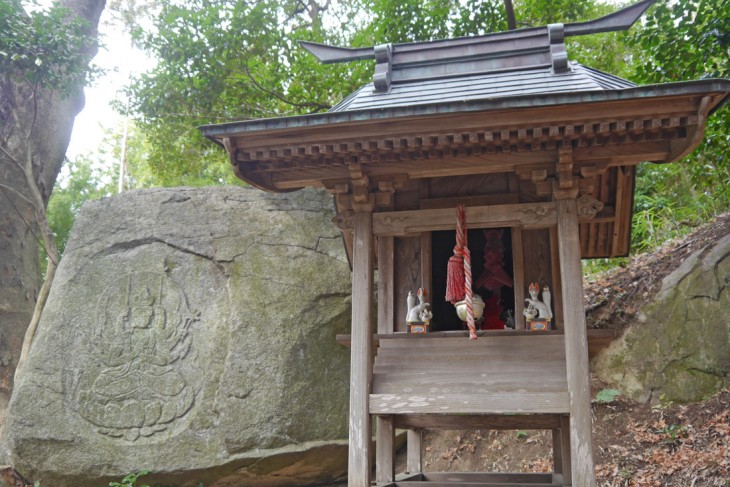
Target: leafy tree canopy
{"x": 684, "y": 40}
{"x": 44, "y": 47}
{"x": 231, "y": 60}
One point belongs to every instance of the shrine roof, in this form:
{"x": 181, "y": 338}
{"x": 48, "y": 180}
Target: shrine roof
{"x": 719, "y": 88}
{"x": 502, "y": 84}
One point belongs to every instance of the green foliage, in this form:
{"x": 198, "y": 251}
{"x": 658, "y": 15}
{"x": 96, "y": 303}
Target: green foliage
{"x": 45, "y": 47}
{"x": 223, "y": 62}
{"x": 673, "y": 434}
{"x": 684, "y": 40}
{"x": 229, "y": 61}
{"x": 130, "y": 480}
{"x": 607, "y": 396}
{"x": 80, "y": 181}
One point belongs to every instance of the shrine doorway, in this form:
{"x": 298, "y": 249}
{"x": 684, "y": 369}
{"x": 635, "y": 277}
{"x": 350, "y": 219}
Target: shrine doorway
{"x": 495, "y": 286}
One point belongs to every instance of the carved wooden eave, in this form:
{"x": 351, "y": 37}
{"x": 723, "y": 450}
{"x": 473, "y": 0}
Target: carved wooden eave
{"x": 365, "y": 156}
{"x": 656, "y": 123}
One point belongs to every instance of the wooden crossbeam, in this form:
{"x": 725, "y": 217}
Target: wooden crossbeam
{"x": 411, "y": 223}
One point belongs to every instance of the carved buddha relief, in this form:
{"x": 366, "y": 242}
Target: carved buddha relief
{"x": 141, "y": 344}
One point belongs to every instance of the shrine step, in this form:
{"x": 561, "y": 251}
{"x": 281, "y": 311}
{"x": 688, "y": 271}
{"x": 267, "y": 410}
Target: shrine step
{"x": 468, "y": 484}
{"x": 448, "y": 479}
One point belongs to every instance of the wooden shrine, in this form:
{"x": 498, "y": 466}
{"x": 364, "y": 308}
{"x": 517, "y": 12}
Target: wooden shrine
{"x": 534, "y": 145}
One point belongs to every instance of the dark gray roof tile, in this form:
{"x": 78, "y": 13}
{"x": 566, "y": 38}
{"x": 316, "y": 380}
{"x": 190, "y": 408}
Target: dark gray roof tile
{"x": 525, "y": 82}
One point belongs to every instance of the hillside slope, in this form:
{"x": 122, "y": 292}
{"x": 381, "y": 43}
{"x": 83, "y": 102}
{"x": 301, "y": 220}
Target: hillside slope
{"x": 612, "y": 299}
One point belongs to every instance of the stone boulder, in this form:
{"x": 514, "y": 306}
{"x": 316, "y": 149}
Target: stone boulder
{"x": 191, "y": 332}
{"x": 679, "y": 351}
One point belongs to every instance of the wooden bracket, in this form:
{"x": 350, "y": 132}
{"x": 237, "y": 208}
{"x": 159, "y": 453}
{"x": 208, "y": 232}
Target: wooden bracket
{"x": 545, "y": 188}
{"x": 362, "y": 193}
{"x": 588, "y": 206}
{"x": 566, "y": 186}
{"x": 386, "y": 190}
{"x": 597, "y": 169}
{"x": 344, "y": 220}
{"x": 531, "y": 173}
{"x": 355, "y": 193}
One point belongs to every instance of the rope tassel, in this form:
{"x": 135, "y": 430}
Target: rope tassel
{"x": 458, "y": 273}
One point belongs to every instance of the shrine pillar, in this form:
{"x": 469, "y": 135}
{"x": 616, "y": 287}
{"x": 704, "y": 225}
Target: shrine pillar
{"x": 361, "y": 352}
{"x": 576, "y": 336}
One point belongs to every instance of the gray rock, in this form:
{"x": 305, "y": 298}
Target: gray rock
{"x": 191, "y": 332}
{"x": 681, "y": 350}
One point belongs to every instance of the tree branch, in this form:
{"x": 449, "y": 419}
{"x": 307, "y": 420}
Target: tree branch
{"x": 280, "y": 97}
{"x": 51, "y": 251}
{"x": 11, "y": 157}
{"x": 510, "y": 10}
{"x": 17, "y": 193}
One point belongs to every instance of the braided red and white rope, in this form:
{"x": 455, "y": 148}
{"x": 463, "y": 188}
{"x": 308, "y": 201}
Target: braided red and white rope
{"x": 463, "y": 245}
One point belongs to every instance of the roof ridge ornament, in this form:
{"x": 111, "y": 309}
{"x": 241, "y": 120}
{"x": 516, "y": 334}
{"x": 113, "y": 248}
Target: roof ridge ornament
{"x": 384, "y": 67}
{"x": 558, "y": 54}
{"x": 502, "y": 51}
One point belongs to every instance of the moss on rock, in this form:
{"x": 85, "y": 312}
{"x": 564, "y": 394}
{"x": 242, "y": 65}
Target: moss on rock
{"x": 681, "y": 351}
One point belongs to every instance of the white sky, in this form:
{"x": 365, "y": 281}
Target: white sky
{"x": 121, "y": 62}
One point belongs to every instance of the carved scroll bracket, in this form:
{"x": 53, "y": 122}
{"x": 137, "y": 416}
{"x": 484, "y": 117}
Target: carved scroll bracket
{"x": 344, "y": 220}
{"x": 363, "y": 193}
{"x": 558, "y": 55}
{"x": 588, "y": 206}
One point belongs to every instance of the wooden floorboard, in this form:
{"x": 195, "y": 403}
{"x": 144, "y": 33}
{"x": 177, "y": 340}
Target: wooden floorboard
{"x": 476, "y": 479}
{"x": 597, "y": 339}
{"x": 478, "y": 421}
{"x": 493, "y": 477}
{"x": 498, "y": 403}
{"x": 500, "y": 480}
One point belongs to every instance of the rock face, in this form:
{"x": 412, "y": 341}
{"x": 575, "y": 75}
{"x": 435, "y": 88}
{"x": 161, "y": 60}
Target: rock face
{"x": 191, "y": 332}
{"x": 680, "y": 350}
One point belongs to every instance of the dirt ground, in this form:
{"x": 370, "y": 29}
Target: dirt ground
{"x": 635, "y": 445}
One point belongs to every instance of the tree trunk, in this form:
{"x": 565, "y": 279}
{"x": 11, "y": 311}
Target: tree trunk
{"x": 510, "y": 10}
{"x": 37, "y": 123}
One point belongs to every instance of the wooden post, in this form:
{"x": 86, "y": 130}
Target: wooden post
{"x": 426, "y": 267}
{"x": 557, "y": 285}
{"x": 384, "y": 426}
{"x": 561, "y": 450}
{"x": 557, "y": 451}
{"x": 384, "y": 449}
{"x": 576, "y": 345}
{"x": 414, "y": 463}
{"x": 565, "y": 444}
{"x": 518, "y": 277}
{"x": 386, "y": 287}
{"x": 361, "y": 352}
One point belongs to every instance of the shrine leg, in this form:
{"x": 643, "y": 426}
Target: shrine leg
{"x": 384, "y": 449}
{"x": 358, "y": 471}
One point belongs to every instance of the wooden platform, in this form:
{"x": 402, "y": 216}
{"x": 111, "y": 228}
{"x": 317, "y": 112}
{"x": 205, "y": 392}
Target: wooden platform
{"x": 503, "y": 380}
{"x": 523, "y": 374}
{"x": 598, "y": 339}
